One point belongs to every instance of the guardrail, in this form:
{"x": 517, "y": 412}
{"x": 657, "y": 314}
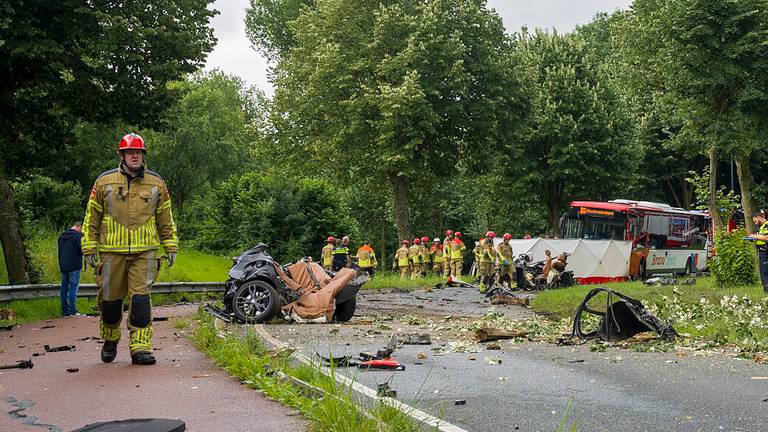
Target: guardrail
{"x": 21, "y": 292}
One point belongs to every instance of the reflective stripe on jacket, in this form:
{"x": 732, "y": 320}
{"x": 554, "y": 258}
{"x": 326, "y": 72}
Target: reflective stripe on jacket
{"x": 129, "y": 215}
{"x": 763, "y": 230}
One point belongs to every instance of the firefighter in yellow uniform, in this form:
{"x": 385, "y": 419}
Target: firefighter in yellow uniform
{"x": 476, "y": 253}
{"x": 127, "y": 219}
{"x": 506, "y": 262}
{"x": 327, "y": 253}
{"x": 366, "y": 258}
{"x": 457, "y": 254}
{"x": 447, "y": 253}
{"x": 425, "y": 256}
{"x": 487, "y": 261}
{"x": 437, "y": 256}
{"x": 402, "y": 259}
{"x": 414, "y": 253}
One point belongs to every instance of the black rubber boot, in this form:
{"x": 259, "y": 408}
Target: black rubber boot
{"x": 142, "y": 358}
{"x": 108, "y": 351}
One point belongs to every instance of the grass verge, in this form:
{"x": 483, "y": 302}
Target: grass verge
{"x": 245, "y": 357}
{"x": 191, "y": 265}
{"x": 48, "y": 308}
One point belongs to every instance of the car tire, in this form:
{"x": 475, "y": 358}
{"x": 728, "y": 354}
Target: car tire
{"x": 255, "y": 302}
{"x": 345, "y": 311}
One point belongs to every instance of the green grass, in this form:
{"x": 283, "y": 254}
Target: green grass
{"x": 704, "y": 315}
{"x": 562, "y": 303}
{"x": 48, "y": 308}
{"x": 190, "y": 266}
{"x": 245, "y": 357}
{"x": 388, "y": 280}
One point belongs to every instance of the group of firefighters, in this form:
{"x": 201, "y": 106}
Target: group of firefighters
{"x": 447, "y": 257}
{"x": 419, "y": 257}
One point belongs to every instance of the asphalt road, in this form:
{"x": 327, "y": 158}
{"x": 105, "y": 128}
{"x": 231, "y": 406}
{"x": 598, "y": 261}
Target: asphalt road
{"x": 535, "y": 382}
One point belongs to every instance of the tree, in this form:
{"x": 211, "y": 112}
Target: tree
{"x": 267, "y": 24}
{"x": 399, "y": 91}
{"x": 711, "y": 61}
{"x": 68, "y": 60}
{"x": 207, "y": 135}
{"x": 577, "y": 142}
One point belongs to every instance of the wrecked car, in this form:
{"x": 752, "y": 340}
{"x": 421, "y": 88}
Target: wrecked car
{"x": 259, "y": 289}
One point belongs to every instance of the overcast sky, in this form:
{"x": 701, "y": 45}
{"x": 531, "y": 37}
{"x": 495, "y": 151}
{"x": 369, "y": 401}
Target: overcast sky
{"x": 234, "y": 55}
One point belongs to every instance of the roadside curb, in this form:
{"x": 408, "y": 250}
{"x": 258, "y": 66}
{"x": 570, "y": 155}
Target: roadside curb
{"x": 414, "y": 413}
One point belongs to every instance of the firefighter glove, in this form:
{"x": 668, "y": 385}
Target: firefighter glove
{"x": 171, "y": 258}
{"x": 91, "y": 260}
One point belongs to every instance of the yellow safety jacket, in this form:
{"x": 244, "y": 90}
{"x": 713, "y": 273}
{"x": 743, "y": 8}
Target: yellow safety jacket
{"x": 457, "y": 249}
{"x": 506, "y": 255}
{"x": 366, "y": 258}
{"x": 402, "y": 257}
{"x": 129, "y": 215}
{"x": 487, "y": 252}
{"x": 447, "y": 249}
{"x": 424, "y": 254}
{"x": 437, "y": 254}
{"x": 414, "y": 254}
{"x": 763, "y": 230}
{"x": 326, "y": 254}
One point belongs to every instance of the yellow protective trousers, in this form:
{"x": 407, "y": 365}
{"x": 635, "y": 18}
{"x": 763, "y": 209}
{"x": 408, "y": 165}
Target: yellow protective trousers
{"x": 456, "y": 265}
{"x": 127, "y": 277}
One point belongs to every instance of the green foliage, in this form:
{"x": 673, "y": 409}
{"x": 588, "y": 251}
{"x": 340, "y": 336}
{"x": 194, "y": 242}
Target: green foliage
{"x": 292, "y": 217}
{"x": 267, "y": 25}
{"x": 48, "y": 202}
{"x": 207, "y": 135}
{"x": 577, "y": 142}
{"x": 734, "y": 263}
{"x": 727, "y": 200}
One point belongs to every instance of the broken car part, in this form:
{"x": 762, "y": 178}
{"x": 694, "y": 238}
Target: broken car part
{"x": 21, "y": 364}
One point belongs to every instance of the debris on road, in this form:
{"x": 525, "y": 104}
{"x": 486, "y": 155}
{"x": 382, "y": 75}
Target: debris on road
{"x": 460, "y": 402}
{"x": 621, "y": 319}
{"x": 49, "y": 326}
{"x": 421, "y": 356}
{"x": 21, "y": 364}
{"x": 760, "y": 358}
{"x": 49, "y": 348}
{"x": 493, "y": 360}
{"x": 486, "y": 334}
{"x": 501, "y": 299}
{"x": 415, "y": 339}
{"x": 155, "y": 319}
{"x": 386, "y": 364}
{"x": 493, "y": 346}
{"x": 73, "y": 370}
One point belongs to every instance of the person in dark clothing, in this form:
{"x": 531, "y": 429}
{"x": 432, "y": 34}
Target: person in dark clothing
{"x": 70, "y": 263}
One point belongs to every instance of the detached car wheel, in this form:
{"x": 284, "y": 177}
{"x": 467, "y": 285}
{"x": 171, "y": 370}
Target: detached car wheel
{"x": 255, "y": 302}
{"x": 345, "y": 311}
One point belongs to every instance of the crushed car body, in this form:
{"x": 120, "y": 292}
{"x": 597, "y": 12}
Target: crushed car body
{"x": 259, "y": 289}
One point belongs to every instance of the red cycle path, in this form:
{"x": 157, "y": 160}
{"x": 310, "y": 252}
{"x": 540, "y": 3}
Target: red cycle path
{"x": 184, "y": 384}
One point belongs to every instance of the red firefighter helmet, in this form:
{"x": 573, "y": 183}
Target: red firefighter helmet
{"x": 449, "y": 232}
{"x": 457, "y": 234}
{"x": 416, "y": 240}
{"x": 132, "y": 141}
{"x": 425, "y": 239}
{"x": 490, "y": 234}
{"x": 405, "y": 242}
{"x": 330, "y": 239}
{"x": 507, "y": 236}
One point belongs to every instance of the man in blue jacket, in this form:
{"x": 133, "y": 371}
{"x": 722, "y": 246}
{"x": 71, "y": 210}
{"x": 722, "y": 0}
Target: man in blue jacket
{"x": 70, "y": 263}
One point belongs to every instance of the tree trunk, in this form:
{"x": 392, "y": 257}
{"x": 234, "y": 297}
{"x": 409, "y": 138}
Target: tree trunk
{"x": 714, "y": 211}
{"x": 746, "y": 181}
{"x": 383, "y": 242}
{"x": 687, "y": 191}
{"x": 10, "y": 235}
{"x": 400, "y": 191}
{"x": 553, "y": 209}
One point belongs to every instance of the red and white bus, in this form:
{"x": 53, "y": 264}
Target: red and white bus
{"x": 664, "y": 239}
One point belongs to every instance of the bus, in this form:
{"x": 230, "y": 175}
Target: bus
{"x": 665, "y": 239}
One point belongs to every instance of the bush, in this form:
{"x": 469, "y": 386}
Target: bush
{"x": 46, "y": 202}
{"x": 735, "y": 263}
{"x": 292, "y": 217}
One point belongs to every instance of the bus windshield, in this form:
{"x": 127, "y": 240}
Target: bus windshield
{"x": 592, "y": 228}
